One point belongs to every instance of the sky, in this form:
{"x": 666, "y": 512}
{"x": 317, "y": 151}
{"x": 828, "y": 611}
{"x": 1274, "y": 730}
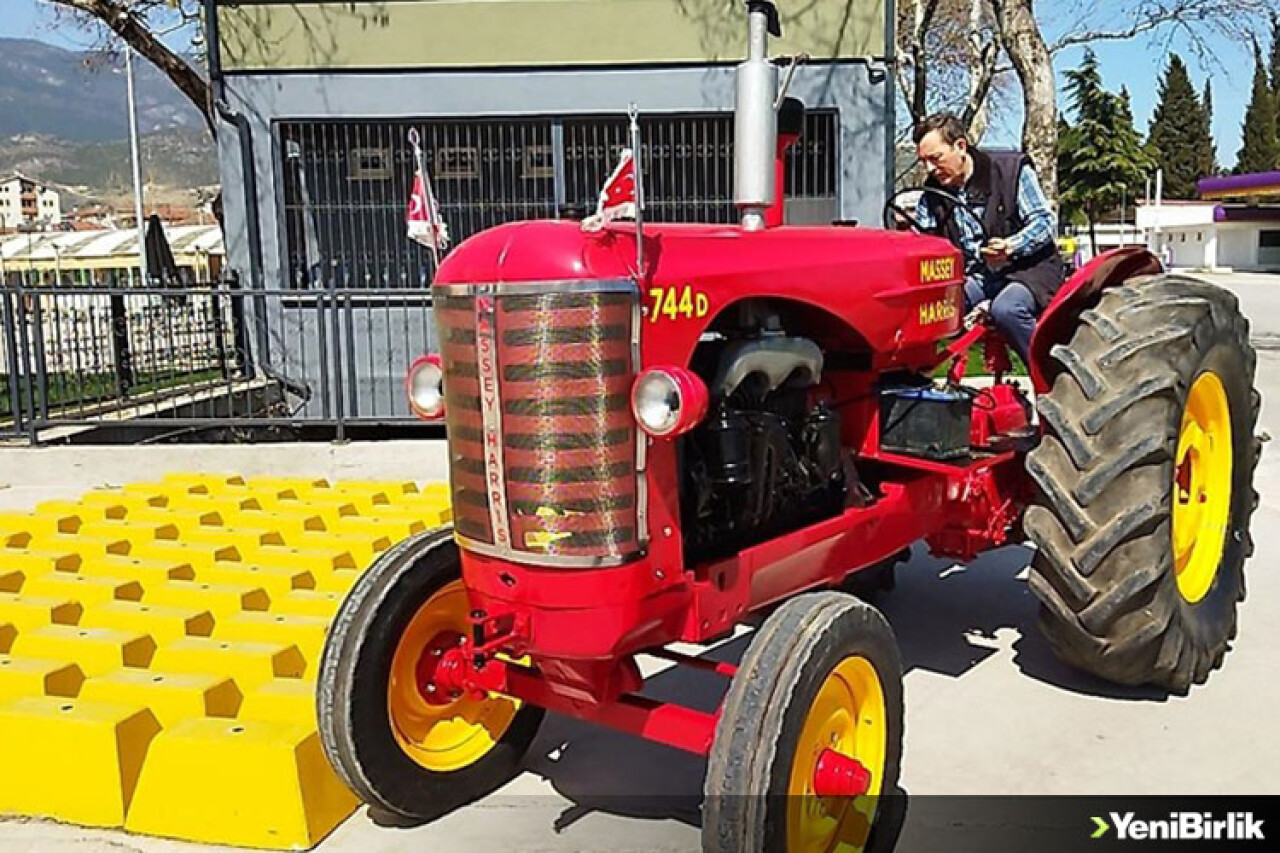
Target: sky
{"x": 1137, "y": 63}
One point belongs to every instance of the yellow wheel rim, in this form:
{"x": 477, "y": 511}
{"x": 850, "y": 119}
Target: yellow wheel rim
{"x": 449, "y": 733}
{"x": 1202, "y": 487}
{"x": 848, "y": 715}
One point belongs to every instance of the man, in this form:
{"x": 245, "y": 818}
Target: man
{"x": 1014, "y": 274}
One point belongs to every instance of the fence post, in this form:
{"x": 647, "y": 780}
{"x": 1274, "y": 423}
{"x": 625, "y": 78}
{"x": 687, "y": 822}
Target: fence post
{"x": 121, "y": 356}
{"x": 40, "y": 409}
{"x": 11, "y": 357}
{"x": 339, "y": 402}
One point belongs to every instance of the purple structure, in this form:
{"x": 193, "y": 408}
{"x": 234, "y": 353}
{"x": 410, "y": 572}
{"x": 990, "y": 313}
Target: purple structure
{"x": 1235, "y": 186}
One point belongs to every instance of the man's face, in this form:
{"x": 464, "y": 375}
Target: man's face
{"x": 944, "y": 161}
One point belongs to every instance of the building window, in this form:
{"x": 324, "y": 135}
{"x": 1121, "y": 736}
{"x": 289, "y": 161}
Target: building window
{"x": 345, "y": 184}
{"x": 1182, "y": 238}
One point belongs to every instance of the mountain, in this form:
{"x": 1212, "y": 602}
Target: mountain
{"x": 78, "y": 97}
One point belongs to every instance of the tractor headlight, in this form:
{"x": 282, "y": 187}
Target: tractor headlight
{"x": 668, "y": 401}
{"x": 424, "y": 385}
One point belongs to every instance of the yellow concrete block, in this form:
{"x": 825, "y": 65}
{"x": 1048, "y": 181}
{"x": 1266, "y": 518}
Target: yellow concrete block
{"x": 314, "y": 560}
{"x": 196, "y": 785}
{"x": 38, "y": 677}
{"x": 85, "y": 546}
{"x": 198, "y": 554}
{"x": 82, "y": 588}
{"x": 32, "y": 611}
{"x": 95, "y": 650}
{"x": 242, "y": 540}
{"x": 337, "y": 581}
{"x": 381, "y": 524}
{"x": 118, "y": 504}
{"x": 223, "y": 505}
{"x": 11, "y": 581}
{"x": 308, "y": 602}
{"x": 38, "y": 562}
{"x": 219, "y": 599}
{"x": 33, "y": 524}
{"x": 249, "y": 663}
{"x": 305, "y": 632}
{"x": 146, "y": 572}
{"x": 171, "y": 696}
{"x": 186, "y": 520}
{"x": 286, "y": 486}
{"x": 283, "y": 700}
{"x": 363, "y": 548}
{"x": 284, "y": 523}
{"x": 276, "y": 581}
{"x": 163, "y": 624}
{"x": 137, "y": 532}
{"x": 430, "y": 515}
{"x": 72, "y": 759}
{"x": 200, "y": 483}
{"x": 330, "y": 510}
{"x": 390, "y": 488}
{"x": 93, "y": 512}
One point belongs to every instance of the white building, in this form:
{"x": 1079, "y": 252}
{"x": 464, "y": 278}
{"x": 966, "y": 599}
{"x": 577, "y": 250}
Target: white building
{"x": 1211, "y": 235}
{"x": 25, "y": 203}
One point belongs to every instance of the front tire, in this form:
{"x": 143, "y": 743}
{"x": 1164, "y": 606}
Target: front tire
{"x": 409, "y": 753}
{"x": 823, "y": 671}
{"x": 1145, "y": 476}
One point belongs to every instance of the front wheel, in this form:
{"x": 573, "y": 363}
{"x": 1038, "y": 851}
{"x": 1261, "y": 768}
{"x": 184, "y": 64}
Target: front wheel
{"x": 1146, "y": 484}
{"x": 810, "y": 736}
{"x": 395, "y": 741}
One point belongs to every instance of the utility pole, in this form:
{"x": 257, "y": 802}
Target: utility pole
{"x": 137, "y": 166}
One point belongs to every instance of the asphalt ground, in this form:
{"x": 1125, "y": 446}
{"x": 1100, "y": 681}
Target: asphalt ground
{"x": 990, "y": 712}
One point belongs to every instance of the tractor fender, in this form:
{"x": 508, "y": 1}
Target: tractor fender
{"x": 1057, "y": 322}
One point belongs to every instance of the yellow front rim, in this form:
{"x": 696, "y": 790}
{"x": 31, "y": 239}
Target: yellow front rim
{"x": 1202, "y": 487}
{"x": 848, "y": 715}
{"x": 448, "y": 733}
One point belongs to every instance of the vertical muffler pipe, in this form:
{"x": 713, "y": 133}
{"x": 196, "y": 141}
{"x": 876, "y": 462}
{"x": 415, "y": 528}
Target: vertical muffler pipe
{"x": 755, "y": 129}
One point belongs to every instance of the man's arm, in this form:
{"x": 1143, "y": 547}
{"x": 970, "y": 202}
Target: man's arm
{"x": 924, "y": 216}
{"x": 1033, "y": 208}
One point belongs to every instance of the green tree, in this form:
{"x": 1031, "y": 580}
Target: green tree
{"x": 1259, "y": 152}
{"x": 1209, "y": 166}
{"x": 1101, "y": 156}
{"x": 1179, "y": 138}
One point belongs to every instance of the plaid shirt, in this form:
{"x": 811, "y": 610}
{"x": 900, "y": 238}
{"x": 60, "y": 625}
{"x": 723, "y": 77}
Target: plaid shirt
{"x": 1033, "y": 208}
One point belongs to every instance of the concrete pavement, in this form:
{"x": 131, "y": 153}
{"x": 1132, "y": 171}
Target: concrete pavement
{"x": 989, "y": 711}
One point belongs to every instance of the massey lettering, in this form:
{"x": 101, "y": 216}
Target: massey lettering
{"x": 491, "y": 414}
{"x": 938, "y": 312}
{"x": 1185, "y": 826}
{"x": 937, "y": 269}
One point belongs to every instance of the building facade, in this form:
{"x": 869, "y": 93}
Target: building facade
{"x": 28, "y": 204}
{"x": 1210, "y": 235}
{"x": 521, "y": 106}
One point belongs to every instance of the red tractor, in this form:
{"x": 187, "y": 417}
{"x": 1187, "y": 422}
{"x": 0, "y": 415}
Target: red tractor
{"x": 645, "y": 455}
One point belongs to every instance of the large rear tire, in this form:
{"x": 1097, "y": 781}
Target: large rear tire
{"x": 1145, "y": 479}
{"x": 822, "y": 672}
{"x": 407, "y": 752}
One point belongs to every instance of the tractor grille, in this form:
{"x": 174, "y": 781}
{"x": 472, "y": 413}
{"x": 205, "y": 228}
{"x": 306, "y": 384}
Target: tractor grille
{"x": 542, "y": 444}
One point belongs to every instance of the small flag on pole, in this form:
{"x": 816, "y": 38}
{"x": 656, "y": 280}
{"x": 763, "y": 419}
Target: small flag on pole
{"x": 422, "y": 220}
{"x": 618, "y": 197}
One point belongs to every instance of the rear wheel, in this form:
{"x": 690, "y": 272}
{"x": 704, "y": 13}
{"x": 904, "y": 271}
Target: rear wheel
{"x": 816, "y": 704}
{"x": 393, "y": 738}
{"x": 1146, "y": 484}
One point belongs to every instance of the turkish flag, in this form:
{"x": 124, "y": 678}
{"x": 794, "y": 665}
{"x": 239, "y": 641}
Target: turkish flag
{"x": 618, "y": 197}
{"x": 422, "y": 220}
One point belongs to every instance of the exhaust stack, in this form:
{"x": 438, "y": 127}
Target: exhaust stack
{"x": 755, "y": 127}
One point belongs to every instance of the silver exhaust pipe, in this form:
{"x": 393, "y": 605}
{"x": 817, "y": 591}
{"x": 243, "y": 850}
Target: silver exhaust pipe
{"x": 755, "y": 125}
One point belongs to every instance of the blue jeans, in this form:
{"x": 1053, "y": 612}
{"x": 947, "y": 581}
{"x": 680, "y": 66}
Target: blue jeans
{"x": 1013, "y": 308}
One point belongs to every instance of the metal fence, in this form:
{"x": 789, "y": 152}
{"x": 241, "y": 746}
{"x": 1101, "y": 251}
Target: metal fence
{"x": 345, "y": 183}
{"x": 158, "y": 362}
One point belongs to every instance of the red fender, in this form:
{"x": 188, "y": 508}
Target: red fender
{"x": 1057, "y": 322}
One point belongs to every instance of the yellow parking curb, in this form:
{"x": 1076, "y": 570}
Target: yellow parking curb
{"x": 162, "y": 640}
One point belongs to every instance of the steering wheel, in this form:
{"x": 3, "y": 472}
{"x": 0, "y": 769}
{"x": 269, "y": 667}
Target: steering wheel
{"x": 896, "y": 215}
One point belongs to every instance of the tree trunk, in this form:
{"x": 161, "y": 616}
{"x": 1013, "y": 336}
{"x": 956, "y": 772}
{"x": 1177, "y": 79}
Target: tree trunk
{"x": 1093, "y": 236}
{"x": 1026, "y": 48}
{"x": 116, "y": 15}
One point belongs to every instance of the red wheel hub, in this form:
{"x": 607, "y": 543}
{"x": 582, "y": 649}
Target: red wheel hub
{"x": 441, "y": 669}
{"x": 839, "y": 775}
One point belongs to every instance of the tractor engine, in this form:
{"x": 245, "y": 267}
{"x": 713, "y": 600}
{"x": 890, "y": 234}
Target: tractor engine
{"x": 767, "y": 459}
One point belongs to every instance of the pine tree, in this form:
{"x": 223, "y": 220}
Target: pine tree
{"x": 1101, "y": 155}
{"x": 1274, "y": 68}
{"x": 1208, "y": 166}
{"x": 1260, "y": 152}
{"x": 1179, "y": 139}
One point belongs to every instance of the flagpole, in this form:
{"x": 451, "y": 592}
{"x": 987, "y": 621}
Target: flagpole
{"x": 415, "y": 140}
{"x": 634, "y": 113}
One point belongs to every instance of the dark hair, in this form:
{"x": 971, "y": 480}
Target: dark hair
{"x": 952, "y": 129}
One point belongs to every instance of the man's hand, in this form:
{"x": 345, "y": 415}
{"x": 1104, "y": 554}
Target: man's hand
{"x": 996, "y": 252}
{"x": 978, "y": 314}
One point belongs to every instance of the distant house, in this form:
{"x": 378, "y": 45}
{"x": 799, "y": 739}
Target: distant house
{"x": 28, "y": 204}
